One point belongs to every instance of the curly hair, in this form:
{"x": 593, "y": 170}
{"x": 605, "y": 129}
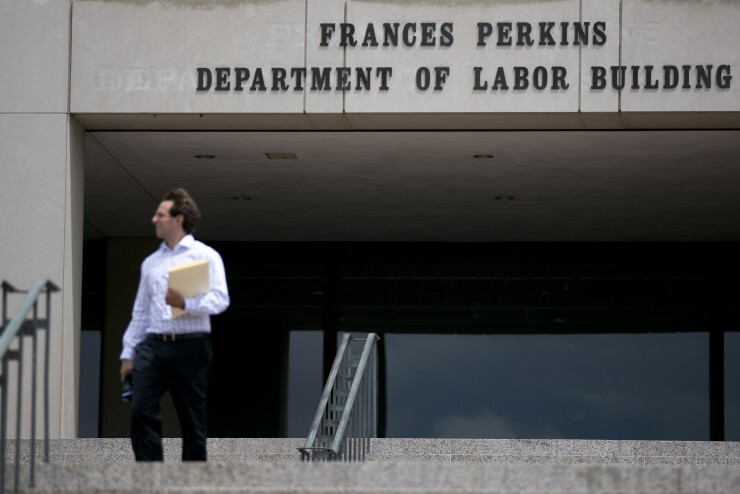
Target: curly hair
{"x": 183, "y": 204}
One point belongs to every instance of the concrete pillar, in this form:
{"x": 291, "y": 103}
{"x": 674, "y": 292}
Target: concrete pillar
{"x": 41, "y": 183}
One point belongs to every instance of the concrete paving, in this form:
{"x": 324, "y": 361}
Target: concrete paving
{"x": 395, "y": 466}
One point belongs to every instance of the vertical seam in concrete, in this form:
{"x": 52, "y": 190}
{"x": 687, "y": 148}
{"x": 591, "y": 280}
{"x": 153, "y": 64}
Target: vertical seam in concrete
{"x": 619, "y": 60}
{"x": 619, "y": 64}
{"x": 344, "y": 64}
{"x": 580, "y": 56}
{"x": 67, "y": 247}
{"x": 63, "y": 285}
{"x": 69, "y": 59}
{"x": 305, "y": 52}
{"x": 580, "y": 71}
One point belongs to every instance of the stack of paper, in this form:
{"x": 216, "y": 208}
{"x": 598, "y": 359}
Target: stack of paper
{"x": 189, "y": 279}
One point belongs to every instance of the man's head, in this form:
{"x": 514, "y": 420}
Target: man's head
{"x": 176, "y": 216}
{"x": 183, "y": 204}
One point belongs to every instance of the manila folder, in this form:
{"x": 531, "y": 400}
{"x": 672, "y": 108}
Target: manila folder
{"x": 189, "y": 279}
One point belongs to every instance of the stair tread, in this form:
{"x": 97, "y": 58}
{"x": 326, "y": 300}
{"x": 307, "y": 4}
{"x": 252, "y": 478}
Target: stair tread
{"x": 379, "y": 478}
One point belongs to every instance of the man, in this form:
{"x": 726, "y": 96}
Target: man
{"x": 166, "y": 353}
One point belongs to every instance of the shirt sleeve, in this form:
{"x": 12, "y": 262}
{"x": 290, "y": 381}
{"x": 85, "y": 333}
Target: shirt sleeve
{"x": 135, "y": 332}
{"x": 217, "y": 299}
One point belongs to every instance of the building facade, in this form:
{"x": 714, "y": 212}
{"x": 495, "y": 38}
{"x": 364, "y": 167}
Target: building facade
{"x": 533, "y": 202}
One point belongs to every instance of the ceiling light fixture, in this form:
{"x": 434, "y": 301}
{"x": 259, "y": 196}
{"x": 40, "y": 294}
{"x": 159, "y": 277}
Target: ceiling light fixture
{"x": 505, "y": 198}
{"x": 242, "y": 197}
{"x": 205, "y": 156}
{"x": 281, "y": 156}
{"x": 483, "y": 156}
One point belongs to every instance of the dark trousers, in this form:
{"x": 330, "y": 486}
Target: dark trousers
{"x": 181, "y": 367}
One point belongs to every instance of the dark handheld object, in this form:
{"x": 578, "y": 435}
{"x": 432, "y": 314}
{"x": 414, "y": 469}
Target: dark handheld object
{"x": 127, "y": 388}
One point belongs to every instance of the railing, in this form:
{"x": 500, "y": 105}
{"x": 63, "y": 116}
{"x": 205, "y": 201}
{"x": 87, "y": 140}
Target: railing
{"x": 21, "y": 326}
{"x": 347, "y": 417}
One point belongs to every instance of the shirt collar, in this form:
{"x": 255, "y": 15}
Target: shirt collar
{"x": 185, "y": 242}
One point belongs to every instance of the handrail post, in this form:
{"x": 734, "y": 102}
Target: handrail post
{"x": 19, "y": 410}
{"x": 346, "y": 413}
{"x": 4, "y": 391}
{"x": 327, "y": 392}
{"x": 18, "y": 327}
{"x": 50, "y": 287}
{"x": 4, "y": 424}
{"x": 34, "y": 361}
{"x": 353, "y": 391}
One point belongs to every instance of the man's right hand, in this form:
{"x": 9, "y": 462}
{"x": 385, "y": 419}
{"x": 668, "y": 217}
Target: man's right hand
{"x": 127, "y": 367}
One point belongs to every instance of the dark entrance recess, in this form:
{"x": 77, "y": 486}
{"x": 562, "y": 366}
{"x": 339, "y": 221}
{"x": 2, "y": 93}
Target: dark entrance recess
{"x": 447, "y": 289}
{"x": 247, "y": 378}
{"x": 270, "y": 296}
{"x": 611, "y": 289}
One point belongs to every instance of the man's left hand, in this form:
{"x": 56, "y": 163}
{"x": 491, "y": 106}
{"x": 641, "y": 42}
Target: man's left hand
{"x": 174, "y": 299}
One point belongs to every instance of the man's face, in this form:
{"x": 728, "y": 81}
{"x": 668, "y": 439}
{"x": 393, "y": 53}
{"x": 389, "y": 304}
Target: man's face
{"x": 164, "y": 223}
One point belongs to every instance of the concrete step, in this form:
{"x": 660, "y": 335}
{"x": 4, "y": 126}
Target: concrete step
{"x": 412, "y": 466}
{"x": 377, "y": 478}
{"x": 395, "y": 450}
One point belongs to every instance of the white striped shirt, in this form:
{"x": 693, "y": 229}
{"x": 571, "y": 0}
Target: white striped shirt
{"x": 152, "y": 315}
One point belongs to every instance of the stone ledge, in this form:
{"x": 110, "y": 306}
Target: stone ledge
{"x": 375, "y": 477}
{"x": 398, "y": 450}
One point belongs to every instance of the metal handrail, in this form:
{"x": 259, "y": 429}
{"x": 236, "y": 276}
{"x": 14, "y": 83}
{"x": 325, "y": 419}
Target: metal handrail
{"x": 19, "y": 326}
{"x": 346, "y": 418}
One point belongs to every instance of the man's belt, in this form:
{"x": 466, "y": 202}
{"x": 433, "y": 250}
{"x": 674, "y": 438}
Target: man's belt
{"x": 171, "y": 337}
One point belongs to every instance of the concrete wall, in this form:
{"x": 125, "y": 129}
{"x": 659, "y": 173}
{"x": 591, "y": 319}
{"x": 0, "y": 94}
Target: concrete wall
{"x": 142, "y": 57}
{"x": 41, "y": 181}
